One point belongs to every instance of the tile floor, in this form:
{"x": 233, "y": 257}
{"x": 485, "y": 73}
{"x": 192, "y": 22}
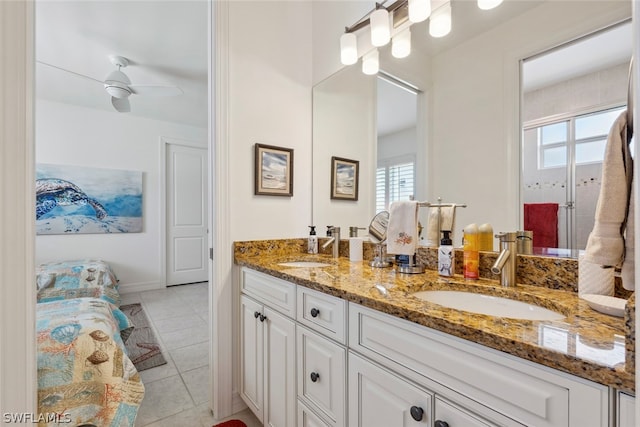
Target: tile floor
{"x": 176, "y": 394}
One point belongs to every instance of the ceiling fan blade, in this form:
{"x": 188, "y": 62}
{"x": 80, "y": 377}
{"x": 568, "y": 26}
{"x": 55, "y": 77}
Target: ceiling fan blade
{"x": 156, "y": 90}
{"x": 69, "y": 71}
{"x": 122, "y": 105}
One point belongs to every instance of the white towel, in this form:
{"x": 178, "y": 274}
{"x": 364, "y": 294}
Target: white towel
{"x": 628, "y": 267}
{"x": 446, "y": 221}
{"x": 605, "y": 245}
{"x": 402, "y": 231}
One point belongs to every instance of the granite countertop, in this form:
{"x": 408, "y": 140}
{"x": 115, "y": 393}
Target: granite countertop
{"x": 585, "y": 343}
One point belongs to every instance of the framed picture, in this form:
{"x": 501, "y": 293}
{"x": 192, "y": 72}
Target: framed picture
{"x": 344, "y": 178}
{"x": 273, "y": 170}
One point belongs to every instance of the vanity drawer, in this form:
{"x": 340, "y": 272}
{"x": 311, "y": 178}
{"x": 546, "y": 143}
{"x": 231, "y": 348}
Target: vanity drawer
{"x": 523, "y": 391}
{"x": 276, "y": 293}
{"x": 323, "y": 313}
{"x": 322, "y": 371}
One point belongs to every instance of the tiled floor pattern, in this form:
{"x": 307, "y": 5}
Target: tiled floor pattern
{"x": 177, "y": 393}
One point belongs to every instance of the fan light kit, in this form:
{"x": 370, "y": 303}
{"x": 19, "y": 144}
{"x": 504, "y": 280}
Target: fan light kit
{"x": 392, "y": 23}
{"x": 119, "y": 86}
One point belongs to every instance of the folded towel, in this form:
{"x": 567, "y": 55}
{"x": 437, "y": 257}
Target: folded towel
{"x": 402, "y": 231}
{"x": 594, "y": 279}
{"x": 444, "y": 217}
{"x": 542, "y": 219}
{"x": 605, "y": 245}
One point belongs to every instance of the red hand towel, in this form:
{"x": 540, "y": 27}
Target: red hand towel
{"x": 542, "y": 219}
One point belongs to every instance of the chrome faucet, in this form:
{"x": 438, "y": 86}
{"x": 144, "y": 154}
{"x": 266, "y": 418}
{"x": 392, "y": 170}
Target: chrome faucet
{"x": 506, "y": 263}
{"x": 335, "y": 239}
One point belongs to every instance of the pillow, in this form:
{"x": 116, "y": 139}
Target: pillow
{"x": 45, "y": 280}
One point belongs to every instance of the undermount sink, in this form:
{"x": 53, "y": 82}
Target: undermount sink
{"x": 304, "y": 264}
{"x": 490, "y": 305}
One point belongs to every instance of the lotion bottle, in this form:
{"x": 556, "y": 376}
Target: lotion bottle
{"x": 470, "y": 252}
{"x": 486, "y": 237}
{"x": 312, "y": 245}
{"x": 445, "y": 255}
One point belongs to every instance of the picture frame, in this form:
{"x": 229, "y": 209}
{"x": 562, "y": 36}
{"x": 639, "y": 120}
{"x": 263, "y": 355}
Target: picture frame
{"x": 344, "y": 178}
{"x": 273, "y": 171}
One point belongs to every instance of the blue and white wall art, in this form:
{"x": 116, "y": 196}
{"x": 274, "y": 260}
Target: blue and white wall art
{"x": 77, "y": 199}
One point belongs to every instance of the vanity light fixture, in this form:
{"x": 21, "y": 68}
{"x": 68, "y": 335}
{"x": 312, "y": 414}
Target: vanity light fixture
{"x": 401, "y": 44}
{"x": 380, "y": 27}
{"x": 370, "y": 63}
{"x": 440, "y": 21}
{"x": 488, "y": 4}
{"x": 392, "y": 22}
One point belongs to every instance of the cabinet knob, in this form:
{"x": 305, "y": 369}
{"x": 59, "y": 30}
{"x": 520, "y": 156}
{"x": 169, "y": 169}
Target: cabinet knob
{"x": 439, "y": 423}
{"x": 315, "y": 312}
{"x": 315, "y": 376}
{"x": 417, "y": 413}
{"x": 256, "y": 314}
{"x": 263, "y": 317}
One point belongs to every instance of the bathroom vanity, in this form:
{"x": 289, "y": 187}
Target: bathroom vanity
{"x": 344, "y": 344}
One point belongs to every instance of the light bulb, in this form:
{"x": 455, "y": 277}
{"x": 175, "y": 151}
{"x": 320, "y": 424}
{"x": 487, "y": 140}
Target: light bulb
{"x": 440, "y": 21}
{"x": 380, "y": 30}
{"x": 370, "y": 62}
{"x": 488, "y": 4}
{"x": 419, "y": 10}
{"x": 348, "y": 49}
{"x": 401, "y": 44}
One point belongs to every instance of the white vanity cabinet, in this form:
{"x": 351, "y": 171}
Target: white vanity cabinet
{"x": 495, "y": 386}
{"x": 322, "y": 355}
{"x": 379, "y": 398}
{"x": 626, "y": 410}
{"x": 267, "y": 348}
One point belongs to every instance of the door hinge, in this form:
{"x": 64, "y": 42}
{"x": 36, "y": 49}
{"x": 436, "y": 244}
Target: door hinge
{"x": 211, "y": 254}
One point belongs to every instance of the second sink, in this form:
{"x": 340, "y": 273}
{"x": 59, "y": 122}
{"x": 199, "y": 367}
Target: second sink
{"x": 489, "y": 305}
{"x": 304, "y": 264}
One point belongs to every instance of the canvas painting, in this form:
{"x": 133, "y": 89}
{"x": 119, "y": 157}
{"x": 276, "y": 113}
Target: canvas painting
{"x": 77, "y": 199}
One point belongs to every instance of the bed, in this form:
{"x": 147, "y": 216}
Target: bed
{"x": 84, "y": 373}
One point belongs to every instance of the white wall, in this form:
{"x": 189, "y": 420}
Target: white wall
{"x": 70, "y": 135}
{"x": 270, "y": 103}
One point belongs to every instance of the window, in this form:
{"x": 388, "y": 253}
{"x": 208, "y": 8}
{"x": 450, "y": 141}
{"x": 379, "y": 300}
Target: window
{"x": 586, "y": 134}
{"x": 395, "y": 180}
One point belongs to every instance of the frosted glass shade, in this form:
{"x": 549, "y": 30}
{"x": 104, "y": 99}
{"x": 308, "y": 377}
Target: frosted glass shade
{"x": 401, "y": 44}
{"x": 371, "y": 63}
{"x": 348, "y": 49}
{"x": 380, "y": 29}
{"x": 419, "y": 10}
{"x": 488, "y": 4}
{"x": 440, "y": 21}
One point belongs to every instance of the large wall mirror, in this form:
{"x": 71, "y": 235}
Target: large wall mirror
{"x": 469, "y": 116}
{"x": 571, "y": 95}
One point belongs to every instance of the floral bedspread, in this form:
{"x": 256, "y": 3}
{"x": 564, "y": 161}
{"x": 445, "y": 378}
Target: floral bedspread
{"x": 77, "y": 279}
{"x": 84, "y": 373}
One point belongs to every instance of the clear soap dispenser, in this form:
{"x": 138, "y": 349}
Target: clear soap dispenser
{"x": 312, "y": 245}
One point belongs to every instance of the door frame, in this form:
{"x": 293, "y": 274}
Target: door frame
{"x": 164, "y": 144}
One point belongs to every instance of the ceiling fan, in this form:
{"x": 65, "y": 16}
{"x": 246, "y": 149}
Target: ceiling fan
{"x": 118, "y": 85}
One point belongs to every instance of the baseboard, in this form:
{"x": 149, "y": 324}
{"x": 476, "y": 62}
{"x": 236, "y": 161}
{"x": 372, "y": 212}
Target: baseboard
{"x": 129, "y": 288}
{"x": 237, "y": 404}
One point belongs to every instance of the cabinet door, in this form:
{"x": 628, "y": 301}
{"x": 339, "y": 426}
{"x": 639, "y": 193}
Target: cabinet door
{"x": 378, "y": 398}
{"x": 448, "y": 415}
{"x": 307, "y": 418}
{"x": 626, "y": 410}
{"x": 251, "y": 356}
{"x": 279, "y": 369}
{"x": 322, "y": 374}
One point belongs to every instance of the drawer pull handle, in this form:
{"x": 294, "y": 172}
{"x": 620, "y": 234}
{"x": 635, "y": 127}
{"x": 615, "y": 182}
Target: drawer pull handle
{"x": 417, "y": 413}
{"x": 439, "y": 423}
{"x": 315, "y": 376}
{"x": 315, "y": 312}
{"x": 256, "y": 314}
{"x": 263, "y": 317}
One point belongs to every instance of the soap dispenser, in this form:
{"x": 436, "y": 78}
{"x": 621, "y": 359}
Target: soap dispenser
{"x": 471, "y": 256}
{"x": 445, "y": 255}
{"x": 312, "y": 245}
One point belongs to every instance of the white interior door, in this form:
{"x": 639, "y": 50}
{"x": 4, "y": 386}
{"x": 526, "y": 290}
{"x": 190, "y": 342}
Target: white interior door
{"x": 186, "y": 214}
